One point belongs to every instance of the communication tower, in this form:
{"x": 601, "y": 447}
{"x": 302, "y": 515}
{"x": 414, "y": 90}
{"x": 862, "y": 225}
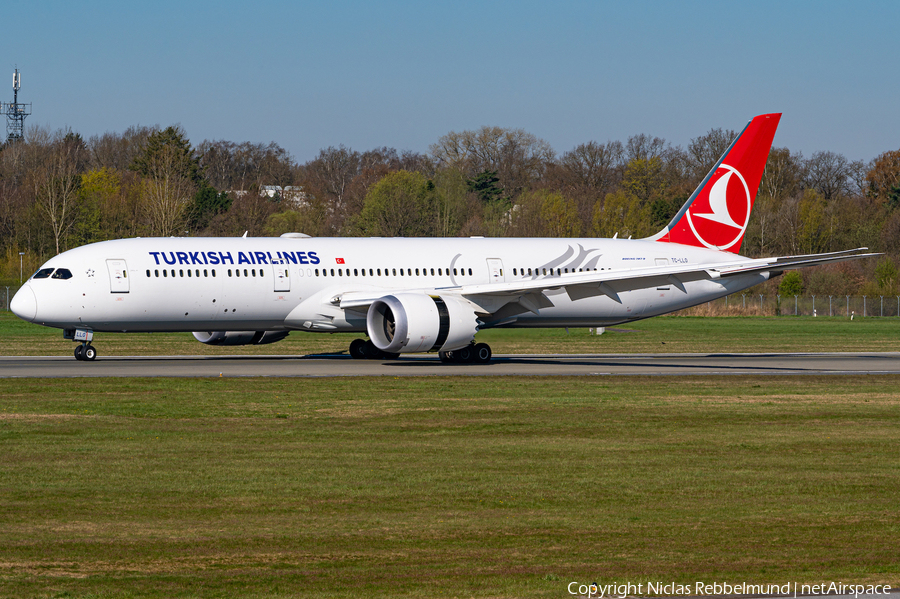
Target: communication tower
{"x": 15, "y": 112}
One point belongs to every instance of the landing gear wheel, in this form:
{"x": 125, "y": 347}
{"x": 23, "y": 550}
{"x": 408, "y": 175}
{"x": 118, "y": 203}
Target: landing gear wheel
{"x": 372, "y": 352}
{"x": 465, "y": 355}
{"x": 79, "y": 352}
{"x": 358, "y": 349}
{"x": 482, "y": 353}
{"x": 446, "y": 356}
{"x": 89, "y": 353}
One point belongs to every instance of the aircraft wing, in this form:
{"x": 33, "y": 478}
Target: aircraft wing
{"x": 612, "y": 282}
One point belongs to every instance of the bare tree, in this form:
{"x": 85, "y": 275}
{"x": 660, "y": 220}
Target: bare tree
{"x": 828, "y": 173}
{"x": 645, "y": 147}
{"x": 704, "y": 151}
{"x": 55, "y": 183}
{"x": 118, "y": 151}
{"x": 518, "y": 157}
{"x": 167, "y": 191}
{"x": 783, "y": 175}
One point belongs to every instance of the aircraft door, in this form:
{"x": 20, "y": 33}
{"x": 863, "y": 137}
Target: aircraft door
{"x": 282, "y": 277}
{"x": 495, "y": 270}
{"x": 118, "y": 276}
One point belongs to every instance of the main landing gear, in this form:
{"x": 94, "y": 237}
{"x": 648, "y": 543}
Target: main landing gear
{"x": 85, "y": 352}
{"x": 365, "y": 350}
{"x": 477, "y": 353}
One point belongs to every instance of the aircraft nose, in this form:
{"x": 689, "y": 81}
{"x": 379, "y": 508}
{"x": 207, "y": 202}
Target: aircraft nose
{"x": 24, "y": 304}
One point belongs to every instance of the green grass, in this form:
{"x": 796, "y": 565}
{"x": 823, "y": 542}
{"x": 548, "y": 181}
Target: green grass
{"x": 688, "y": 334}
{"x": 506, "y": 487}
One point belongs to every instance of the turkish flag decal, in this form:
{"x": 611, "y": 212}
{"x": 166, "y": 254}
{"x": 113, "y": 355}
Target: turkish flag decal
{"x": 339, "y": 260}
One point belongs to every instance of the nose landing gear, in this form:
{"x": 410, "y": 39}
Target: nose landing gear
{"x": 85, "y": 352}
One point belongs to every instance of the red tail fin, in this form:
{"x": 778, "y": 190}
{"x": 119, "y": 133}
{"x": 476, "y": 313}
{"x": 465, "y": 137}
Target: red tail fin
{"x": 717, "y": 213}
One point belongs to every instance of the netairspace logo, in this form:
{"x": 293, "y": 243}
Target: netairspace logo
{"x": 616, "y": 590}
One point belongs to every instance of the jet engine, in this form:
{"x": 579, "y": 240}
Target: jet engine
{"x": 239, "y": 337}
{"x": 416, "y": 322}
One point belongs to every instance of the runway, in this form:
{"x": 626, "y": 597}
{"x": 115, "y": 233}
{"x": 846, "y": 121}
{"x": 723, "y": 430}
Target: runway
{"x": 428, "y": 365}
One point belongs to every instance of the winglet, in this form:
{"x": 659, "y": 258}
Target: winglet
{"x": 717, "y": 213}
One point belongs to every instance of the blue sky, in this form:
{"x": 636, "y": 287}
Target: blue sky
{"x": 310, "y": 75}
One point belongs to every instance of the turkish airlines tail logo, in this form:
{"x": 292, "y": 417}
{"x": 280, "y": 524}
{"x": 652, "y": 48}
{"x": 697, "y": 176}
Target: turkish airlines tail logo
{"x": 717, "y": 213}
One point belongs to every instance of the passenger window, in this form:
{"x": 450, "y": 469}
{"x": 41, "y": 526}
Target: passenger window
{"x": 470, "y": 272}
{"x": 205, "y": 273}
{"x": 317, "y": 272}
{"x": 165, "y": 273}
{"x": 156, "y": 273}
{"x": 417, "y": 272}
{"x": 42, "y": 273}
{"x": 261, "y": 272}
{"x": 355, "y": 273}
{"x": 237, "y": 272}
{"x": 454, "y": 272}
{"x": 148, "y": 273}
{"x": 395, "y": 272}
{"x": 439, "y": 273}
{"x": 214, "y": 272}
{"x": 189, "y": 272}
{"x": 229, "y": 272}
{"x": 180, "y": 272}
{"x": 253, "y": 272}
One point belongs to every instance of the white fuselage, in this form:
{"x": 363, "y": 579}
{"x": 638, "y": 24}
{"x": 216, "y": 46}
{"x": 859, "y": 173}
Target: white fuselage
{"x": 275, "y": 284}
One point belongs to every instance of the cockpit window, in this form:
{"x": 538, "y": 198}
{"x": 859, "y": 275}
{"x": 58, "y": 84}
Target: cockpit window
{"x": 62, "y": 273}
{"x": 42, "y": 273}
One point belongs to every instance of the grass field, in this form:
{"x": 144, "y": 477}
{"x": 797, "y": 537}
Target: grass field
{"x": 463, "y": 486}
{"x": 657, "y": 335}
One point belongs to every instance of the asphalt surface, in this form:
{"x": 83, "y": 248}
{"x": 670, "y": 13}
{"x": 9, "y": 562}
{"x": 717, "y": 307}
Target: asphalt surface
{"x": 429, "y": 365}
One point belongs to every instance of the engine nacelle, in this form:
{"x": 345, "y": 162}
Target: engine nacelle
{"x": 239, "y": 337}
{"x": 416, "y": 322}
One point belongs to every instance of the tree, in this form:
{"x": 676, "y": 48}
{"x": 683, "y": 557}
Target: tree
{"x": 174, "y": 149}
{"x": 517, "y": 157}
{"x": 705, "y": 151}
{"x": 813, "y": 234}
{"x": 97, "y": 192}
{"x": 56, "y": 182}
{"x": 205, "y": 205}
{"x": 621, "y": 214}
{"x": 791, "y": 284}
{"x": 484, "y": 186}
{"x": 171, "y": 177}
{"x": 783, "y": 175}
{"x": 545, "y": 213}
{"x": 400, "y": 205}
{"x": 450, "y": 190}
{"x": 884, "y": 179}
{"x": 829, "y": 174}
{"x": 886, "y": 276}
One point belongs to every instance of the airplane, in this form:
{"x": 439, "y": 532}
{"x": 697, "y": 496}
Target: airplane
{"x": 413, "y": 295}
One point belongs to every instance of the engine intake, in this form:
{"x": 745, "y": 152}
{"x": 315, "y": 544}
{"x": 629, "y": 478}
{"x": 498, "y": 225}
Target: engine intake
{"x": 413, "y": 322}
{"x": 240, "y": 337}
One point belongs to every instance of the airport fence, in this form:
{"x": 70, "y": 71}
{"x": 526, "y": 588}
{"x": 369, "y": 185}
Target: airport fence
{"x": 742, "y": 304}
{"x": 6, "y": 294}
{"x": 845, "y": 306}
